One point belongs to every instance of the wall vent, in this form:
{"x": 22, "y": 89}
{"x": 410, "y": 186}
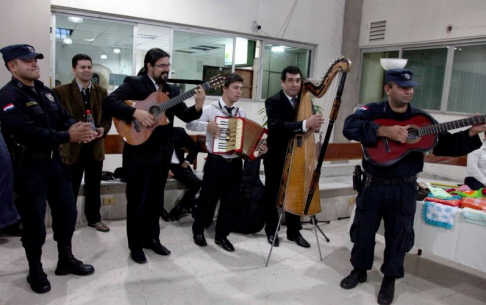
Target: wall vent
{"x": 377, "y": 31}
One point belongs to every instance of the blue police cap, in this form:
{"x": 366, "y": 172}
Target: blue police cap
{"x": 20, "y": 51}
{"x": 401, "y": 77}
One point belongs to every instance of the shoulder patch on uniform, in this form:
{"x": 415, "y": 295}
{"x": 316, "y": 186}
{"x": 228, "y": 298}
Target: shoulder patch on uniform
{"x": 363, "y": 108}
{"x": 31, "y": 103}
{"x": 8, "y": 107}
{"x": 50, "y": 97}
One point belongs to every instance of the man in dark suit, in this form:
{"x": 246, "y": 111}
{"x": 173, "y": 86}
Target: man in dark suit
{"x": 78, "y": 97}
{"x": 282, "y": 127}
{"x": 147, "y": 165}
{"x": 182, "y": 171}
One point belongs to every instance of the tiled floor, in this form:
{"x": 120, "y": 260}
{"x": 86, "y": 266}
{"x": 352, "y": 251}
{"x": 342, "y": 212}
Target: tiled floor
{"x": 193, "y": 275}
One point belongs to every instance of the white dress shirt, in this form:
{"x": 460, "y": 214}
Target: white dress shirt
{"x": 209, "y": 113}
{"x": 476, "y": 164}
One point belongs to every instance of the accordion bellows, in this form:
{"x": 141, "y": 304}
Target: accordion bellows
{"x": 239, "y": 135}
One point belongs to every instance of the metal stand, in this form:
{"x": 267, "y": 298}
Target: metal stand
{"x": 313, "y": 221}
{"x": 274, "y": 238}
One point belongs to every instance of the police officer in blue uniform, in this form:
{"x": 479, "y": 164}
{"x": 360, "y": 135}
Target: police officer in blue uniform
{"x": 390, "y": 192}
{"x": 34, "y": 119}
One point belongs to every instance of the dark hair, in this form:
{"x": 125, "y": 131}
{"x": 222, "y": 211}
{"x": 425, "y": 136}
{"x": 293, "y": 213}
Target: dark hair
{"x": 79, "y": 57}
{"x": 291, "y": 70}
{"x": 151, "y": 57}
{"x": 231, "y": 78}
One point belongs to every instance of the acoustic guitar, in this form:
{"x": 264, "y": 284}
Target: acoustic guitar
{"x": 422, "y": 137}
{"x": 156, "y": 103}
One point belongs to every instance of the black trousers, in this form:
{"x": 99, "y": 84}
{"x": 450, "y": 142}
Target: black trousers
{"x": 187, "y": 177}
{"x": 145, "y": 200}
{"x": 222, "y": 180}
{"x": 473, "y": 183}
{"x": 271, "y": 192}
{"x": 36, "y": 182}
{"x": 91, "y": 168}
{"x": 396, "y": 204}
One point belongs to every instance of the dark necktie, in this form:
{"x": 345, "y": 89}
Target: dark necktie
{"x": 294, "y": 102}
{"x": 85, "y": 94}
{"x": 230, "y": 110}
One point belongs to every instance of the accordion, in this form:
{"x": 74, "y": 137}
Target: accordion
{"x": 239, "y": 135}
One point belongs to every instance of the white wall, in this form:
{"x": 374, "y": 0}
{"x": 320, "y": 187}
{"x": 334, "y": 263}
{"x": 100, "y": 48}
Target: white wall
{"x": 414, "y": 21}
{"x": 26, "y": 21}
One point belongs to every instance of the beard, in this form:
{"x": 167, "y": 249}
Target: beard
{"x": 162, "y": 78}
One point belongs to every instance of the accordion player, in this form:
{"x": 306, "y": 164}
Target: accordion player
{"x": 239, "y": 135}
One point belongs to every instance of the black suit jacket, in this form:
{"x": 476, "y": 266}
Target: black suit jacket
{"x": 183, "y": 140}
{"x": 281, "y": 129}
{"x": 159, "y": 146}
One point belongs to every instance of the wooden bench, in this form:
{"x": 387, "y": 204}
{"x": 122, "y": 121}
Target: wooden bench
{"x": 335, "y": 151}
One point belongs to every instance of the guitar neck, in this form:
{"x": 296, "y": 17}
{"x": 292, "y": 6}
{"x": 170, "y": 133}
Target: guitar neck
{"x": 181, "y": 98}
{"x": 442, "y": 127}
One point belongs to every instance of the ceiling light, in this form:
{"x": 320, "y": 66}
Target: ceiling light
{"x": 103, "y": 56}
{"x": 75, "y": 19}
{"x": 116, "y": 51}
{"x": 278, "y": 49}
{"x": 67, "y": 41}
{"x": 89, "y": 39}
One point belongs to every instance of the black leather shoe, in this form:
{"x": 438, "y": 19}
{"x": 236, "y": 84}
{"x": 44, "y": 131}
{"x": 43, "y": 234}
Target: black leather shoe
{"x": 270, "y": 240}
{"x": 165, "y": 216}
{"x": 38, "y": 280}
{"x": 157, "y": 247}
{"x": 200, "y": 240}
{"x": 225, "y": 244}
{"x": 387, "y": 291}
{"x": 138, "y": 256}
{"x": 352, "y": 280}
{"x": 73, "y": 266}
{"x": 299, "y": 240}
{"x": 177, "y": 212}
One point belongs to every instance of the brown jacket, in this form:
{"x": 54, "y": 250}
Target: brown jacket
{"x": 70, "y": 97}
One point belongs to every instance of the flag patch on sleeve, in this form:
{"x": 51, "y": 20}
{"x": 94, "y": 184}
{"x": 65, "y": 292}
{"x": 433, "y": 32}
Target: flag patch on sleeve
{"x": 8, "y": 107}
{"x": 363, "y": 108}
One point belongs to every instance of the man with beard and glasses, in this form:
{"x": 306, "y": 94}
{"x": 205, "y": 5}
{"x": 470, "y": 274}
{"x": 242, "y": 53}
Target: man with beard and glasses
{"x": 147, "y": 165}
{"x": 79, "y": 97}
{"x": 34, "y": 121}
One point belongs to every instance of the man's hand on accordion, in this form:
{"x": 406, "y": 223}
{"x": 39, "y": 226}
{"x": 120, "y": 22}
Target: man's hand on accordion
{"x": 214, "y": 129}
{"x": 262, "y": 148}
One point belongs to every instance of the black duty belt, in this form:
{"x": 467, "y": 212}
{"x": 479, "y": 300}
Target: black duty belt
{"x": 41, "y": 155}
{"x": 369, "y": 179}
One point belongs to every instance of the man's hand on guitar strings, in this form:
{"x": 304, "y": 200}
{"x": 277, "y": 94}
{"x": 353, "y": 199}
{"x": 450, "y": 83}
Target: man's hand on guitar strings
{"x": 478, "y": 128}
{"x": 200, "y": 96}
{"x": 397, "y": 133}
{"x": 144, "y": 118}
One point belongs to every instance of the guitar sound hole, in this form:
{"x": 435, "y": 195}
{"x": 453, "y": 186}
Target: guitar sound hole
{"x": 413, "y": 134}
{"x": 154, "y": 110}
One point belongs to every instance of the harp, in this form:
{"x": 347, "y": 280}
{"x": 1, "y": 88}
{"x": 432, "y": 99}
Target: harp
{"x": 299, "y": 187}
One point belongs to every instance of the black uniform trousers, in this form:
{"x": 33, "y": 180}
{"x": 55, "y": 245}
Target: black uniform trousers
{"x": 187, "y": 177}
{"x": 145, "y": 201}
{"x": 222, "y": 180}
{"x": 396, "y": 204}
{"x": 37, "y": 181}
{"x": 91, "y": 168}
{"x": 272, "y": 189}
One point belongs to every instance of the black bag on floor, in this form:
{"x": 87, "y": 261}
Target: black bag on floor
{"x": 250, "y": 216}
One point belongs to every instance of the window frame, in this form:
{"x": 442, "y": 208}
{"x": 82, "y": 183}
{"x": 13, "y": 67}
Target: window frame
{"x": 450, "y": 45}
{"x": 179, "y": 27}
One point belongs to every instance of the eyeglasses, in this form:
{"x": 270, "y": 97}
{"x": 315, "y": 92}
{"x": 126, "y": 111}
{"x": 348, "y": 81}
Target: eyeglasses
{"x": 163, "y": 66}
